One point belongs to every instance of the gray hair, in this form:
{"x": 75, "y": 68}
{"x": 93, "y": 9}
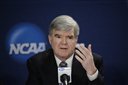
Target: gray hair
{"x": 64, "y": 23}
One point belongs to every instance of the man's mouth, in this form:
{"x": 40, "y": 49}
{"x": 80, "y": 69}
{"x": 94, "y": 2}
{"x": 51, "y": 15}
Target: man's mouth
{"x": 64, "y": 48}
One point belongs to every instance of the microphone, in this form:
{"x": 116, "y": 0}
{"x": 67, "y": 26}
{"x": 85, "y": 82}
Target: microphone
{"x": 65, "y": 79}
{"x": 64, "y": 75}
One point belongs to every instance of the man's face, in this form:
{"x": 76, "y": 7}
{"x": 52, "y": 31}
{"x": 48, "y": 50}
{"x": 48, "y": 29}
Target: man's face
{"x": 63, "y": 43}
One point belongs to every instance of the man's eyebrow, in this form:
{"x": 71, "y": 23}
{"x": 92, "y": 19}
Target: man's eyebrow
{"x": 70, "y": 35}
{"x": 57, "y": 35}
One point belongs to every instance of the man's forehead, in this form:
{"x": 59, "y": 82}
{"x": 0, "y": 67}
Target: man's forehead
{"x": 70, "y": 32}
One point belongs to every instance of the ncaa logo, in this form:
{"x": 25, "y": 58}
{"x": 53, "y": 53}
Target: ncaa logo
{"x": 25, "y": 40}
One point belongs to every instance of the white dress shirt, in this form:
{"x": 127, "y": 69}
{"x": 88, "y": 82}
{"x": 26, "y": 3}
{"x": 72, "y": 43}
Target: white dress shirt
{"x": 69, "y": 64}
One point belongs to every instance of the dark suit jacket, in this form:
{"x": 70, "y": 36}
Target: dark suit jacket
{"x": 42, "y": 70}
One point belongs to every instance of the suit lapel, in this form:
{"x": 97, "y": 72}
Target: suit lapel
{"x": 78, "y": 73}
{"x": 50, "y": 73}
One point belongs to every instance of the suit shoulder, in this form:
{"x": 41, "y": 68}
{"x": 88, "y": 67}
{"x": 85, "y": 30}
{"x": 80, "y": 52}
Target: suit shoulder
{"x": 97, "y": 57}
{"x": 42, "y": 56}
{"x": 98, "y": 60}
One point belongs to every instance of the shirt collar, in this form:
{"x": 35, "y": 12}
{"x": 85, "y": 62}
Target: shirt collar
{"x": 68, "y": 61}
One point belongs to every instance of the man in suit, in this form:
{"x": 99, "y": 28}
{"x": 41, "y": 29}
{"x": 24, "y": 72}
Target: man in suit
{"x": 86, "y": 67}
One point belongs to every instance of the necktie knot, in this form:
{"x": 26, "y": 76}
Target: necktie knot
{"x": 63, "y": 64}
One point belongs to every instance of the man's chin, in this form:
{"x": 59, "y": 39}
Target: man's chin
{"x": 64, "y": 56}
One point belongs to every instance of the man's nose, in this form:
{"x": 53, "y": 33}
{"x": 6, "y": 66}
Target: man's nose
{"x": 64, "y": 41}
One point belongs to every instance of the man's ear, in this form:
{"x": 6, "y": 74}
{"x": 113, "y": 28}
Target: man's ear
{"x": 49, "y": 38}
{"x": 76, "y": 39}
